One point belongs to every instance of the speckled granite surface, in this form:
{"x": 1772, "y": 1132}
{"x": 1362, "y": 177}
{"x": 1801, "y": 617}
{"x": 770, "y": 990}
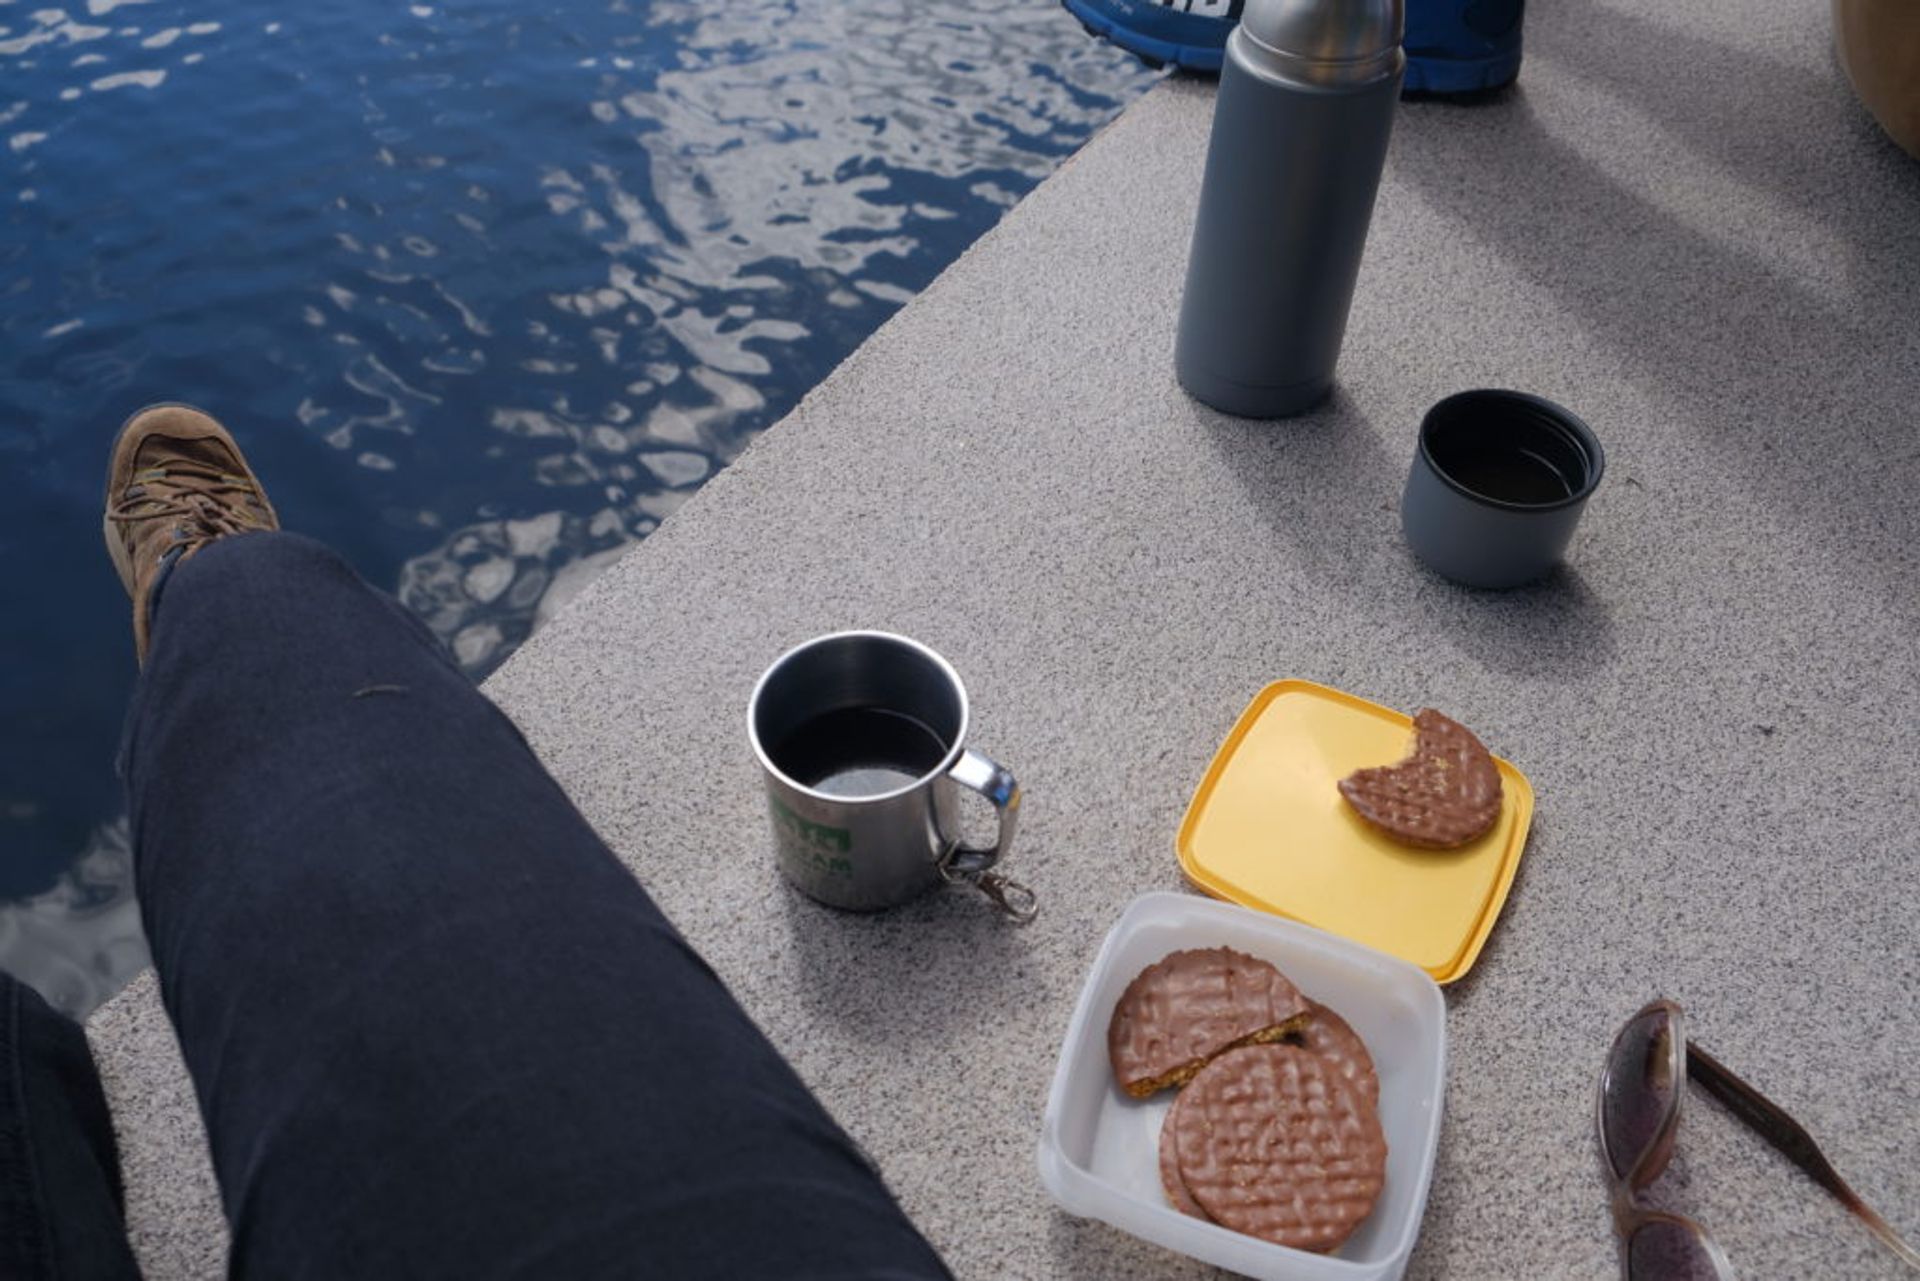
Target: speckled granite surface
{"x": 1683, "y": 228}
{"x": 173, "y": 1204}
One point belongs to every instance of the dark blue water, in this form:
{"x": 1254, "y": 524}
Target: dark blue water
{"x": 486, "y": 289}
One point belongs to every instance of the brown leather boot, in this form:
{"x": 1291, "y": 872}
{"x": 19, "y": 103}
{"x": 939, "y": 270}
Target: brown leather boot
{"x": 177, "y": 482}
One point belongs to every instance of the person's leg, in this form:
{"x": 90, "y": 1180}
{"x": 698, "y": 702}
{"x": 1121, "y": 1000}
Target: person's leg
{"x": 436, "y": 1029}
{"x": 60, "y": 1204}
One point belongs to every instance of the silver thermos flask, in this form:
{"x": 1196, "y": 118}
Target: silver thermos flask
{"x": 1300, "y": 130}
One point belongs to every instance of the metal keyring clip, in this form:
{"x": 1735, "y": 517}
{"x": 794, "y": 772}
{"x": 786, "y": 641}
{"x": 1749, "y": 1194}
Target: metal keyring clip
{"x": 1008, "y": 896}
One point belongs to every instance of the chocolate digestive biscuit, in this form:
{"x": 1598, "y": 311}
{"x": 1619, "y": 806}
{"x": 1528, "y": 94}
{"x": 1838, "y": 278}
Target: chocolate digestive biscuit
{"x": 1188, "y": 1007}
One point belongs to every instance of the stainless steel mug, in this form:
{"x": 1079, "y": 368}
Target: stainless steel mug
{"x": 862, "y": 739}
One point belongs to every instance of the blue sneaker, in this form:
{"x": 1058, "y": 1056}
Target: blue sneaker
{"x": 1173, "y": 33}
{"x": 1462, "y": 46}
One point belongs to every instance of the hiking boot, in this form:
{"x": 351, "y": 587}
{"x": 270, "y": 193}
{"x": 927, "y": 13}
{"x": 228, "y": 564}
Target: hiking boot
{"x": 1190, "y": 34}
{"x": 1462, "y": 47}
{"x": 177, "y": 482}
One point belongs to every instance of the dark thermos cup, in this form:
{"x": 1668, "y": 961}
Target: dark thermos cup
{"x": 1497, "y": 486}
{"x": 1299, "y": 139}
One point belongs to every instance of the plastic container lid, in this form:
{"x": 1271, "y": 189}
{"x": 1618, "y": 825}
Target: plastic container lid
{"x": 1268, "y": 828}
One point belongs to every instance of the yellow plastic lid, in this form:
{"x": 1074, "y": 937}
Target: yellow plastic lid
{"x": 1269, "y": 829}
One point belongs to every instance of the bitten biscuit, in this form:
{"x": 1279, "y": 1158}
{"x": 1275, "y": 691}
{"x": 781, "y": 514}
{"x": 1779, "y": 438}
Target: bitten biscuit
{"x": 1444, "y": 795}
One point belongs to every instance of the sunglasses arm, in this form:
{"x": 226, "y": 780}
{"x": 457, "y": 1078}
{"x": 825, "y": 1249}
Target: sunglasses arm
{"x": 1767, "y": 1119}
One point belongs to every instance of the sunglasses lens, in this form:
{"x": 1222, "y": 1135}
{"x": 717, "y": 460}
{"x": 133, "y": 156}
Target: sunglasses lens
{"x": 1668, "y": 1252}
{"x": 1639, "y": 1093}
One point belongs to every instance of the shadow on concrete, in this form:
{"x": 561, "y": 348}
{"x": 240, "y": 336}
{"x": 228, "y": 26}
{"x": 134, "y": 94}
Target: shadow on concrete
{"x": 1795, "y": 368}
{"x": 1089, "y": 1250}
{"x": 1325, "y": 484}
{"x": 1556, "y": 625}
{"x": 1681, "y": 78}
{"x": 911, "y": 973}
{"x": 1321, "y": 481}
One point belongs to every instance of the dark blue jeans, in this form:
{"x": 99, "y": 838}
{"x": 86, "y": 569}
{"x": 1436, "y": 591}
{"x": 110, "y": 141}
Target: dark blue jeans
{"x": 435, "y": 1028}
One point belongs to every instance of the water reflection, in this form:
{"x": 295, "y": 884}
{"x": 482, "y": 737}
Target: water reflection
{"x": 77, "y": 943}
{"x": 487, "y": 289}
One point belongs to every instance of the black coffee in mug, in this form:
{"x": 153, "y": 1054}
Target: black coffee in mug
{"x": 862, "y": 744}
{"x": 1522, "y": 476}
{"x": 859, "y": 751}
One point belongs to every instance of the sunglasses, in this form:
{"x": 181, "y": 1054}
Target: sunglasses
{"x": 1639, "y": 1113}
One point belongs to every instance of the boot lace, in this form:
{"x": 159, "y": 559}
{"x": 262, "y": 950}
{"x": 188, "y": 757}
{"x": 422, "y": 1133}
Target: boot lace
{"x": 208, "y": 502}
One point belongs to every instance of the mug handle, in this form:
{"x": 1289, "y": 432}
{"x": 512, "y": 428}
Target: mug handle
{"x": 972, "y": 865}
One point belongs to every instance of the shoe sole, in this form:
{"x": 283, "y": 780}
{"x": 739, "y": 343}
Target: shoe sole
{"x": 1460, "y": 75}
{"x": 1159, "y": 53}
{"x": 1423, "y": 75}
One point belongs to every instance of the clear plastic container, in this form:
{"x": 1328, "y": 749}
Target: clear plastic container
{"x": 1099, "y": 1148}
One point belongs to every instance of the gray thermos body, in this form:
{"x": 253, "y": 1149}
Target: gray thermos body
{"x": 1300, "y": 128}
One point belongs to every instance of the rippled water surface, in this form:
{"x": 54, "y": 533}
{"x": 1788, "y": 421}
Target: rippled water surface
{"x": 486, "y": 289}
